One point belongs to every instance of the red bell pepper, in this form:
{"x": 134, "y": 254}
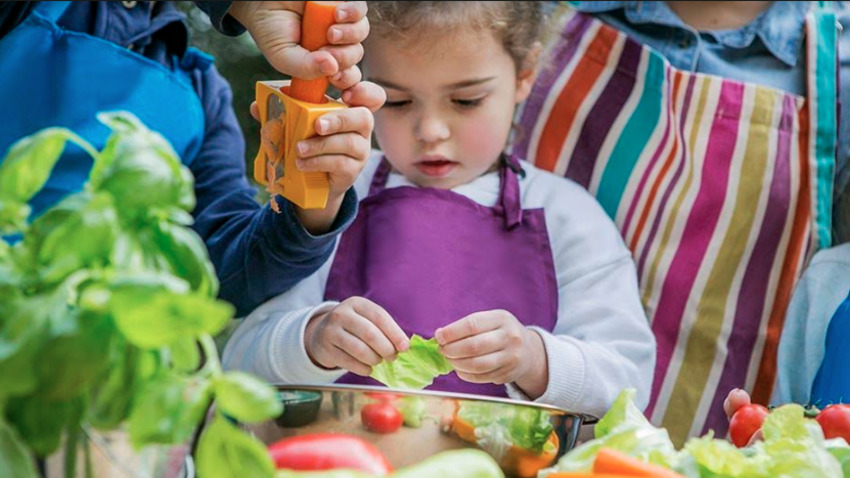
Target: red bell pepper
{"x": 328, "y": 451}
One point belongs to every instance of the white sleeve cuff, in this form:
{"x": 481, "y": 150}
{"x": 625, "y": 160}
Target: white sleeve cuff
{"x": 566, "y": 373}
{"x": 289, "y": 356}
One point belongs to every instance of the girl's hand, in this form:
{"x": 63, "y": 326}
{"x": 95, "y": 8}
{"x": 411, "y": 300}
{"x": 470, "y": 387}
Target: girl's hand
{"x": 355, "y": 335}
{"x": 494, "y": 347}
{"x": 341, "y": 149}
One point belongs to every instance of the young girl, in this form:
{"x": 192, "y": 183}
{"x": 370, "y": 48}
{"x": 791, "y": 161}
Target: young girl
{"x": 457, "y": 241}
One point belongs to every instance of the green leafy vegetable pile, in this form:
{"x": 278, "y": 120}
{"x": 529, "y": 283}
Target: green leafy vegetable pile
{"x": 793, "y": 447}
{"x": 414, "y": 368}
{"x": 526, "y": 427}
{"x": 108, "y": 309}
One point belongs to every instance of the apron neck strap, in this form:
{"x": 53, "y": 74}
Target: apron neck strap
{"x": 822, "y": 71}
{"x": 509, "y": 190}
{"x": 51, "y": 11}
{"x": 509, "y": 194}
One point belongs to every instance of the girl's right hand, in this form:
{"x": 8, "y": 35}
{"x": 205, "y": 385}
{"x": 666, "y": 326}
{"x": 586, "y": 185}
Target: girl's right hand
{"x": 355, "y": 335}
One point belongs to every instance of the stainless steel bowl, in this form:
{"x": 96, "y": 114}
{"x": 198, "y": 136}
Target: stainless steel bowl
{"x": 337, "y": 408}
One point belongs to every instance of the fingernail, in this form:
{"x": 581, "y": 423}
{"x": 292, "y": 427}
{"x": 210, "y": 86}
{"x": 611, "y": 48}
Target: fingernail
{"x": 337, "y": 77}
{"x": 346, "y": 96}
{"x": 300, "y": 163}
{"x": 302, "y": 147}
{"x": 336, "y": 35}
{"x": 327, "y": 67}
{"x": 341, "y": 14}
{"x": 322, "y": 125}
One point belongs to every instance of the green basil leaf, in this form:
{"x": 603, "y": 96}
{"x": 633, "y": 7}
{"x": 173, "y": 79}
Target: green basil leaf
{"x": 153, "y": 318}
{"x": 15, "y": 459}
{"x": 245, "y": 398}
{"x": 187, "y": 256}
{"x": 74, "y": 358}
{"x": 113, "y": 395}
{"x": 141, "y": 169}
{"x": 225, "y": 451}
{"x": 22, "y": 334}
{"x": 168, "y": 409}
{"x": 27, "y": 165}
{"x": 83, "y": 240}
{"x": 185, "y": 354}
{"x": 40, "y": 422}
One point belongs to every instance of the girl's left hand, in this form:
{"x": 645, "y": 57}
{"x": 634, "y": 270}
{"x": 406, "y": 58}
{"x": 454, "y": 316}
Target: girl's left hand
{"x": 494, "y": 347}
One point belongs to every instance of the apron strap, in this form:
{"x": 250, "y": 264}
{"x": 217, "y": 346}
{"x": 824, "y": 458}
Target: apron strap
{"x": 51, "y": 11}
{"x": 822, "y": 80}
{"x": 379, "y": 180}
{"x": 509, "y": 190}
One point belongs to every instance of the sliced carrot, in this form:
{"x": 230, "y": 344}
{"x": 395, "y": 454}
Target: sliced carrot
{"x": 613, "y": 462}
{"x": 575, "y": 474}
{"x": 318, "y": 17}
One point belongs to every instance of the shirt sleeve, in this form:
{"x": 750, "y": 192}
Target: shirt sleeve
{"x": 220, "y": 19}
{"x": 816, "y": 297}
{"x": 602, "y": 342}
{"x": 257, "y": 253}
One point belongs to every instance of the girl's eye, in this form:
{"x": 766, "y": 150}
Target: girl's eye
{"x": 396, "y": 104}
{"x": 470, "y": 103}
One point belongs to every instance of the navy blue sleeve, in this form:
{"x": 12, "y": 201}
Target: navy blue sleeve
{"x": 257, "y": 253}
{"x": 221, "y": 21}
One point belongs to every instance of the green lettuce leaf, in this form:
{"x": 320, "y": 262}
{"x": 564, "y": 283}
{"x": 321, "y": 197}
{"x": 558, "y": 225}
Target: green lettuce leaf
{"x": 498, "y": 426}
{"x": 415, "y": 368}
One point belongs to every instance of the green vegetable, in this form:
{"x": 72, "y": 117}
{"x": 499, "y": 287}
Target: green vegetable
{"x": 415, "y": 368}
{"x": 108, "y": 303}
{"x": 498, "y": 426}
{"x": 793, "y": 447}
{"x": 412, "y": 410}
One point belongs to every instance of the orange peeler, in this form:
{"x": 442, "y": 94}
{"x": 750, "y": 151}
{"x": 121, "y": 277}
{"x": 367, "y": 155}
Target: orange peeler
{"x": 288, "y": 111}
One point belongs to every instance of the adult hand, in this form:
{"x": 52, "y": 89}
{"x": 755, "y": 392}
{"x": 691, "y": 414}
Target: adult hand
{"x": 494, "y": 347}
{"x": 276, "y": 29}
{"x": 355, "y": 335}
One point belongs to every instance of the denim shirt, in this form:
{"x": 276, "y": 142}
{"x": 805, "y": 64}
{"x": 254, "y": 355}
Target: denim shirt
{"x": 769, "y": 51}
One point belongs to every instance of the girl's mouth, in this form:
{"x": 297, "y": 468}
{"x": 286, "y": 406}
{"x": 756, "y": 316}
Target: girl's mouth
{"x": 436, "y": 168}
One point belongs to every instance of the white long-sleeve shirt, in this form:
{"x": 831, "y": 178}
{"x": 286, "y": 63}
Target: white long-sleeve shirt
{"x": 601, "y": 342}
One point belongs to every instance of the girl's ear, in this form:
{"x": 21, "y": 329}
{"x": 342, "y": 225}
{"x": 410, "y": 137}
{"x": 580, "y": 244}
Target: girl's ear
{"x": 527, "y": 73}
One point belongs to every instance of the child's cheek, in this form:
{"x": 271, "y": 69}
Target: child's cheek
{"x": 481, "y": 139}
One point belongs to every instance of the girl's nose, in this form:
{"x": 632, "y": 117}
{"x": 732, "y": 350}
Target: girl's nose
{"x": 431, "y": 128}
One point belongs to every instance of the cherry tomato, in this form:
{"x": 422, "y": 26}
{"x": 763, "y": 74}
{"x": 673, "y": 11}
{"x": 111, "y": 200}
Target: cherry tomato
{"x": 328, "y": 451}
{"x": 745, "y": 422}
{"x": 835, "y": 421}
{"x": 381, "y": 417}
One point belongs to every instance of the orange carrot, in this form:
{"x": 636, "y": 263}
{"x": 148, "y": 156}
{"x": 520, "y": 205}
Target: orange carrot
{"x": 614, "y": 462}
{"x": 318, "y": 17}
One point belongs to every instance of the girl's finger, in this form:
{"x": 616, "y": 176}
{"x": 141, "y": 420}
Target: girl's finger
{"x": 347, "y": 78}
{"x": 382, "y": 319}
{"x": 348, "y": 33}
{"x": 366, "y": 94}
{"x": 343, "y": 144}
{"x": 344, "y": 360}
{"x": 345, "y": 56}
{"x": 357, "y": 120}
{"x": 475, "y": 346}
{"x": 472, "y": 324}
{"x": 484, "y": 364}
{"x": 357, "y": 349}
{"x": 369, "y": 333}
{"x": 499, "y": 376}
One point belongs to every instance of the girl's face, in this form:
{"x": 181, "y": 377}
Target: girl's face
{"x": 450, "y": 104}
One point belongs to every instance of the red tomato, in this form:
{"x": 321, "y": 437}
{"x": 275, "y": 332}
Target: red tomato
{"x": 328, "y": 451}
{"x": 835, "y": 421}
{"x": 745, "y": 422}
{"x": 381, "y": 417}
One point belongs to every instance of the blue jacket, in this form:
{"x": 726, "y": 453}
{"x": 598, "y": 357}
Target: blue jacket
{"x": 256, "y": 252}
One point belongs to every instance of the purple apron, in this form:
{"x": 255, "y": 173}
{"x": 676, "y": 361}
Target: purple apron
{"x": 431, "y": 257}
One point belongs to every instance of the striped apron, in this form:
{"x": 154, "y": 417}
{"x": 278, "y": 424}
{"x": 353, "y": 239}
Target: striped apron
{"x": 721, "y": 189}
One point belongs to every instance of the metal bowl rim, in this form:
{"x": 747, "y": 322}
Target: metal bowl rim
{"x": 342, "y": 387}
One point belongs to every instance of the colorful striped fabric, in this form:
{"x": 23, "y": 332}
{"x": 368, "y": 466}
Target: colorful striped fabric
{"x": 721, "y": 190}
